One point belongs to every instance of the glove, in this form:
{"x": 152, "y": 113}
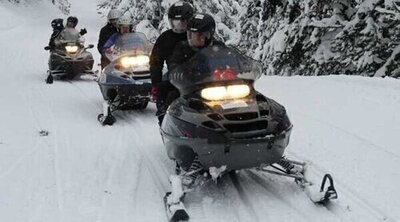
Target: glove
{"x": 153, "y": 93}
{"x": 108, "y": 51}
{"x": 83, "y": 31}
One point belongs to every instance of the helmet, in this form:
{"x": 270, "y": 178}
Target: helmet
{"x": 178, "y": 15}
{"x": 201, "y": 26}
{"x": 73, "y": 21}
{"x": 202, "y": 23}
{"x": 180, "y": 10}
{"x": 125, "y": 21}
{"x": 114, "y": 14}
{"x": 57, "y": 23}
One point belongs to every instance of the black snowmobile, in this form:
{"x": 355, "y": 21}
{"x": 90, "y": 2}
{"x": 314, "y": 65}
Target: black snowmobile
{"x": 221, "y": 124}
{"x": 125, "y": 83}
{"x": 70, "y": 59}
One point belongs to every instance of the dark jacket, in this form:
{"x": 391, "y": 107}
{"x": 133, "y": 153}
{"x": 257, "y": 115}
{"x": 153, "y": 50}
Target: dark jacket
{"x": 54, "y": 35}
{"x": 183, "y": 52}
{"x": 110, "y": 42}
{"x": 162, "y": 50}
{"x": 105, "y": 33}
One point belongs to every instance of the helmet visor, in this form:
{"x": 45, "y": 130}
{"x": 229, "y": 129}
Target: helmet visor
{"x": 178, "y": 26}
{"x": 198, "y": 39}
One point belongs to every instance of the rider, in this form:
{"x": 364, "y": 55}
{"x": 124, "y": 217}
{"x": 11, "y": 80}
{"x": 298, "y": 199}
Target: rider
{"x": 58, "y": 26}
{"x": 70, "y": 30}
{"x": 125, "y": 25}
{"x": 201, "y": 29}
{"x": 107, "y": 31}
{"x": 178, "y": 15}
{"x": 200, "y": 34}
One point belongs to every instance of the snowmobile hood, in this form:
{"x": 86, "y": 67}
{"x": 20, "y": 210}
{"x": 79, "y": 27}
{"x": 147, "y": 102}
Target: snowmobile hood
{"x": 216, "y": 65}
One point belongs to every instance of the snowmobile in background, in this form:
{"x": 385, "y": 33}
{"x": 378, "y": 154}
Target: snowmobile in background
{"x": 70, "y": 59}
{"x": 221, "y": 124}
{"x": 125, "y": 83}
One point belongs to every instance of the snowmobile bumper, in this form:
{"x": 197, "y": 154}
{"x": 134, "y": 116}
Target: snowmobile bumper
{"x": 235, "y": 154}
{"x": 138, "y": 91}
{"x": 69, "y": 68}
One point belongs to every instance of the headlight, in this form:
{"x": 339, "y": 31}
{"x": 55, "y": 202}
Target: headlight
{"x": 71, "y": 48}
{"x": 140, "y": 60}
{"x": 225, "y": 92}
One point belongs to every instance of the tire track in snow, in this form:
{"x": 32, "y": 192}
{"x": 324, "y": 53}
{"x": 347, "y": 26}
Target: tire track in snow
{"x": 57, "y": 167}
{"x": 56, "y": 164}
{"x": 83, "y": 94}
{"x": 28, "y": 100}
{"x": 156, "y": 170}
{"x": 20, "y": 160}
{"x": 117, "y": 146}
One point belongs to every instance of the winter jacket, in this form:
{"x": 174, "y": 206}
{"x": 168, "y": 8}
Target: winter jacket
{"x": 110, "y": 42}
{"x": 162, "y": 51}
{"x": 105, "y": 33}
{"x": 183, "y": 52}
{"x": 54, "y": 35}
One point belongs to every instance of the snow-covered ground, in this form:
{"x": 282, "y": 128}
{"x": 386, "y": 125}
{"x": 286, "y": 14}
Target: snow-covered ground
{"x": 81, "y": 171}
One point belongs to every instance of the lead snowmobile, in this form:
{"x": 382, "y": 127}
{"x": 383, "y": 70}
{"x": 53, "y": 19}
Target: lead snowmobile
{"x": 221, "y": 124}
{"x": 69, "y": 59}
{"x": 125, "y": 83}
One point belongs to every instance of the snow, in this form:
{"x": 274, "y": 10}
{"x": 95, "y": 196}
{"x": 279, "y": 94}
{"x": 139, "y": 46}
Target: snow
{"x": 81, "y": 171}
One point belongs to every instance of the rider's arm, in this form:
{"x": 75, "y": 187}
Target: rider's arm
{"x": 157, "y": 61}
{"x": 110, "y": 42}
{"x": 102, "y": 40}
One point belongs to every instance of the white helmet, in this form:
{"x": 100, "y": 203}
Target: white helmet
{"x": 125, "y": 21}
{"x": 114, "y": 14}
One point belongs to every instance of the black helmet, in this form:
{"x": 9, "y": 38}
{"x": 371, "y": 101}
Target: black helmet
{"x": 202, "y": 23}
{"x": 57, "y": 24}
{"x": 73, "y": 20}
{"x": 200, "y": 30}
{"x": 181, "y": 11}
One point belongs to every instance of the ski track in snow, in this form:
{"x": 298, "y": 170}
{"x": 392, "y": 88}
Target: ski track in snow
{"x": 243, "y": 196}
{"x": 344, "y": 190}
{"x": 377, "y": 147}
{"x": 44, "y": 119}
{"x": 115, "y": 144}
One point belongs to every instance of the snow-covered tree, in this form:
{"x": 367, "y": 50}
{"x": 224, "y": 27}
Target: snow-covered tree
{"x": 63, "y": 5}
{"x": 297, "y": 37}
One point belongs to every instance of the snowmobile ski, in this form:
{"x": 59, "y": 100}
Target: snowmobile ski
{"x": 175, "y": 211}
{"x": 49, "y": 79}
{"x": 106, "y": 118}
{"x": 296, "y": 170}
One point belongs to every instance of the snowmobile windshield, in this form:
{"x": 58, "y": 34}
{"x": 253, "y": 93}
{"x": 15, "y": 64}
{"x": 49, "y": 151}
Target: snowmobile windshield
{"x": 134, "y": 43}
{"x": 216, "y": 65}
{"x": 70, "y": 36}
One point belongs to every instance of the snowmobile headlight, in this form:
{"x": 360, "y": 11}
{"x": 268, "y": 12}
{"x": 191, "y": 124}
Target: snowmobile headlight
{"x": 71, "y": 48}
{"x": 141, "y": 60}
{"x": 225, "y": 92}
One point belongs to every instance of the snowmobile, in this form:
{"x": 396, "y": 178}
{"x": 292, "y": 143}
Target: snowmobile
{"x": 221, "y": 124}
{"x": 125, "y": 83}
{"x": 70, "y": 59}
